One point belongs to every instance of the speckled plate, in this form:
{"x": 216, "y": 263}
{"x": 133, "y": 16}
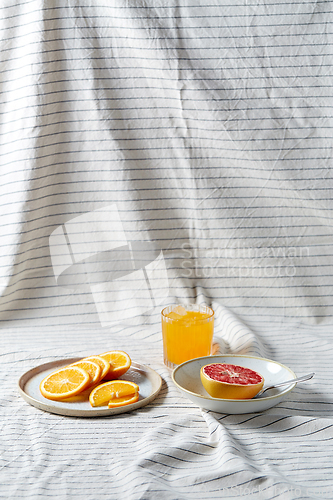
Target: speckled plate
{"x": 187, "y": 378}
{"x": 148, "y": 380}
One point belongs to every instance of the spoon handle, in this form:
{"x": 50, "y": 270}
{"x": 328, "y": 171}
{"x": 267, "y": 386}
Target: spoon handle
{"x": 292, "y": 381}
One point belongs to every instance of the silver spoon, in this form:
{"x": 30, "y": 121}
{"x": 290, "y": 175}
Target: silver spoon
{"x": 287, "y": 382}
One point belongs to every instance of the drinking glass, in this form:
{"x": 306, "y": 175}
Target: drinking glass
{"x": 187, "y": 332}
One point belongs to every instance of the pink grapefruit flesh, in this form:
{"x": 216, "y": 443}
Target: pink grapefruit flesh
{"x": 225, "y": 381}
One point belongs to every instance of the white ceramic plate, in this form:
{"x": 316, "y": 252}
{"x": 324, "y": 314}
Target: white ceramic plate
{"x": 148, "y": 380}
{"x": 187, "y": 378}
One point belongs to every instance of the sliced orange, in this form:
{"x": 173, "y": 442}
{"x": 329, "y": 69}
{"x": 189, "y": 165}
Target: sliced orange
{"x": 64, "y": 383}
{"x": 102, "y": 362}
{"x": 94, "y": 370}
{"x": 126, "y": 400}
{"x": 117, "y": 391}
{"x": 119, "y": 363}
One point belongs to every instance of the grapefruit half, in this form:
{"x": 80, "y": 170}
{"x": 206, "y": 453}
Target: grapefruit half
{"x": 225, "y": 381}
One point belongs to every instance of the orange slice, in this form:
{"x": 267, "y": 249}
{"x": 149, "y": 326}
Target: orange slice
{"x": 117, "y": 391}
{"x": 93, "y": 369}
{"x": 126, "y": 400}
{"x": 64, "y": 383}
{"x": 103, "y": 363}
{"x": 119, "y": 363}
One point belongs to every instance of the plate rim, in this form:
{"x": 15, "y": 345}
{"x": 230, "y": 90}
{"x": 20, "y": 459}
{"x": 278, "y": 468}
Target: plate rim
{"x": 49, "y": 407}
{"x": 234, "y": 401}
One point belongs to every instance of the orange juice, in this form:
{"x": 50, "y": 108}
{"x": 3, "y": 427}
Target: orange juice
{"x": 187, "y": 333}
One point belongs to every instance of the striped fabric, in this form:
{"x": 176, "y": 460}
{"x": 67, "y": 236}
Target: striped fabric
{"x": 157, "y": 152}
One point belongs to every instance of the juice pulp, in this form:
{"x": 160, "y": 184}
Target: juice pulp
{"x": 187, "y": 334}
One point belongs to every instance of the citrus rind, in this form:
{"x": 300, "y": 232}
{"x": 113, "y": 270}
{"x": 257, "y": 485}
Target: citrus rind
{"x": 102, "y": 362}
{"x": 126, "y": 400}
{"x": 119, "y": 361}
{"x": 113, "y": 390}
{"x": 64, "y": 383}
{"x": 92, "y": 368}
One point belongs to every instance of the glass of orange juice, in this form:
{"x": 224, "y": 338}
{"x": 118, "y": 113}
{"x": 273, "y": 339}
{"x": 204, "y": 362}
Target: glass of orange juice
{"x": 187, "y": 332}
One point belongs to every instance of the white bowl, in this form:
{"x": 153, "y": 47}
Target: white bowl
{"x": 187, "y": 378}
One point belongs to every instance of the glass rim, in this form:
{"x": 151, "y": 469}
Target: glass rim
{"x": 188, "y": 307}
